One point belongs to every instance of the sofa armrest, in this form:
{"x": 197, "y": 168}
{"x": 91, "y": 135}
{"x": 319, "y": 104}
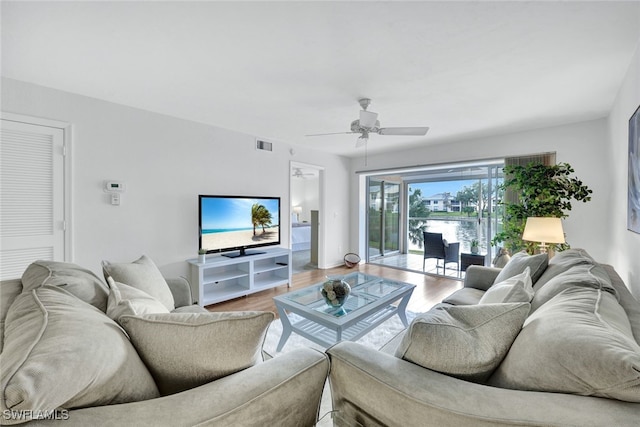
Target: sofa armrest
{"x": 181, "y": 291}
{"x": 375, "y": 388}
{"x": 480, "y": 277}
{"x": 292, "y": 382}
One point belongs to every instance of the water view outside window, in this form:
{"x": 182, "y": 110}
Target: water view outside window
{"x": 462, "y": 210}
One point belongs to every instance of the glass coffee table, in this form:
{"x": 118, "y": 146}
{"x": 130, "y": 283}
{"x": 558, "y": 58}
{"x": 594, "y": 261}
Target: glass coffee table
{"x": 371, "y": 302}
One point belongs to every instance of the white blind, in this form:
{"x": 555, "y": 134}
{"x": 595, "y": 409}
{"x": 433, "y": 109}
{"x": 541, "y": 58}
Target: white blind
{"x": 31, "y": 196}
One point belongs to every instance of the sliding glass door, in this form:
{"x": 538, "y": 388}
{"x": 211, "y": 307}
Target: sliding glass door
{"x": 383, "y": 226}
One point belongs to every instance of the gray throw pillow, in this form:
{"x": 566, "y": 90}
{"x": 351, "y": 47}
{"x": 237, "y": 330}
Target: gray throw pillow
{"x": 78, "y": 281}
{"x": 142, "y": 274}
{"x": 127, "y": 300}
{"x": 519, "y": 262}
{"x": 466, "y": 342}
{"x": 579, "y": 342}
{"x": 61, "y": 352}
{"x": 515, "y": 289}
{"x": 185, "y": 350}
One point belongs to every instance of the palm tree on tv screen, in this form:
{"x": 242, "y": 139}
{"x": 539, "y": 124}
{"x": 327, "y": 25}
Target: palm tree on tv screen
{"x": 260, "y": 216}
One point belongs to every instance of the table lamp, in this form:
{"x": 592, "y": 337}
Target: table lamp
{"x": 544, "y": 230}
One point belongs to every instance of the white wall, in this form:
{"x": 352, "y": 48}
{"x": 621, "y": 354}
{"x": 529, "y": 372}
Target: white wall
{"x": 623, "y": 246}
{"x": 165, "y": 162}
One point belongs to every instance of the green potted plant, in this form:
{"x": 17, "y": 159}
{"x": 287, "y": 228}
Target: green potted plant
{"x": 541, "y": 191}
{"x": 202, "y": 255}
{"x": 474, "y": 246}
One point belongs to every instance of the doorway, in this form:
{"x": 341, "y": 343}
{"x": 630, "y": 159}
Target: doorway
{"x": 306, "y": 211}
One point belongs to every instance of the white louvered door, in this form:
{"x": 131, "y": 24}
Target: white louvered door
{"x": 31, "y": 196}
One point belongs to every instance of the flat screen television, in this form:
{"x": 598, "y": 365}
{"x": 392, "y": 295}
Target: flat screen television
{"x": 233, "y": 224}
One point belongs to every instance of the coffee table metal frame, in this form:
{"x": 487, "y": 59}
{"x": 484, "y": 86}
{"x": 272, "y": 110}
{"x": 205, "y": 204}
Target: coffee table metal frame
{"x": 369, "y": 304}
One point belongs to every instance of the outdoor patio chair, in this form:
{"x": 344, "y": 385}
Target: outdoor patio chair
{"x": 435, "y": 247}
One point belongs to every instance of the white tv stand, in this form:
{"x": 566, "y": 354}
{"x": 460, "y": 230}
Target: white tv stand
{"x": 221, "y": 278}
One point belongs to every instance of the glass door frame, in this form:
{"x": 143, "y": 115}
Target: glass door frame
{"x": 383, "y": 220}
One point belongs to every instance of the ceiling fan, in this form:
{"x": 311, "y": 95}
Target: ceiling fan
{"x": 368, "y": 123}
{"x": 299, "y": 173}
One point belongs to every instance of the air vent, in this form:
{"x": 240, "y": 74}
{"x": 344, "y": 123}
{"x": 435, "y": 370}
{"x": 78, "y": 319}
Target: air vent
{"x": 263, "y": 145}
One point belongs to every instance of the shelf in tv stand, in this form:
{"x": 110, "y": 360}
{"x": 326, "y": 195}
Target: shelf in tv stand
{"x": 221, "y": 278}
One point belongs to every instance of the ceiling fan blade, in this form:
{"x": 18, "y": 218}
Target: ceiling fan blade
{"x": 368, "y": 119}
{"x": 333, "y": 133}
{"x": 408, "y": 131}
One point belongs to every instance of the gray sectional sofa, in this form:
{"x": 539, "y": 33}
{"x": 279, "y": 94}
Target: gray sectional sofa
{"x": 553, "y": 343}
{"x": 133, "y": 350}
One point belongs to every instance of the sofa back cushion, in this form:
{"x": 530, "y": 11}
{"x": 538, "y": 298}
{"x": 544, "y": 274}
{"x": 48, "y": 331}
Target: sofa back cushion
{"x": 61, "y": 352}
{"x": 78, "y": 281}
{"x": 185, "y": 350}
{"x": 579, "y": 342}
{"x": 561, "y": 262}
{"x": 466, "y": 342}
{"x": 519, "y": 262}
{"x": 142, "y": 274}
{"x": 580, "y": 275}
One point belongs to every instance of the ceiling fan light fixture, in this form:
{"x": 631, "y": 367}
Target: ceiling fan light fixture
{"x": 368, "y": 119}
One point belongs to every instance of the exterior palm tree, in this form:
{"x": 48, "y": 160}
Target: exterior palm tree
{"x": 260, "y": 216}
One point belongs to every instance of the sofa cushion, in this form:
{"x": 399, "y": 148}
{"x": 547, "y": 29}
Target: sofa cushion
{"x": 78, "y": 281}
{"x": 185, "y": 350}
{"x": 579, "y": 342}
{"x": 561, "y": 262}
{"x": 142, "y": 274}
{"x": 519, "y": 262}
{"x": 127, "y": 300}
{"x": 515, "y": 289}
{"x": 62, "y": 352}
{"x": 580, "y": 275}
{"x": 467, "y": 342}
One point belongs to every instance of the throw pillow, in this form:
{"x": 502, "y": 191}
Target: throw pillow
{"x": 79, "y": 281}
{"x": 579, "y": 342}
{"x": 466, "y": 342}
{"x": 142, "y": 274}
{"x": 519, "y": 262}
{"x": 515, "y": 289}
{"x": 185, "y": 350}
{"x": 127, "y": 300}
{"x": 61, "y": 352}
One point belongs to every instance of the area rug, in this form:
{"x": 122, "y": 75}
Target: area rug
{"x": 376, "y": 338}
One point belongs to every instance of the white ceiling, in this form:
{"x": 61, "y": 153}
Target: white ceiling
{"x": 281, "y": 70}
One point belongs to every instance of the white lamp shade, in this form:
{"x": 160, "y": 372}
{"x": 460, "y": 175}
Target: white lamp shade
{"x": 543, "y": 229}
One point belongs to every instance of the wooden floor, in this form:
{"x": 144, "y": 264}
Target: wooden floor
{"x": 429, "y": 290}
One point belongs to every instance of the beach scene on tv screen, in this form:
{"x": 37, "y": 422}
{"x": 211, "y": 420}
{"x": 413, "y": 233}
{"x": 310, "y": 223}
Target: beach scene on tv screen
{"x": 236, "y": 222}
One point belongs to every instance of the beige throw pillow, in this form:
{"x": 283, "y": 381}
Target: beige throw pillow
{"x": 515, "y": 289}
{"x": 579, "y": 342}
{"x": 61, "y": 352}
{"x": 185, "y": 350}
{"x": 127, "y": 300}
{"x": 467, "y": 342}
{"x": 141, "y": 274}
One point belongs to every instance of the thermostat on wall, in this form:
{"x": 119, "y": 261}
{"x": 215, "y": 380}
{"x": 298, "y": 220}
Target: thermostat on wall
{"x": 114, "y": 186}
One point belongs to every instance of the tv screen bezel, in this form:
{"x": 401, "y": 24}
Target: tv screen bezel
{"x": 241, "y": 248}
